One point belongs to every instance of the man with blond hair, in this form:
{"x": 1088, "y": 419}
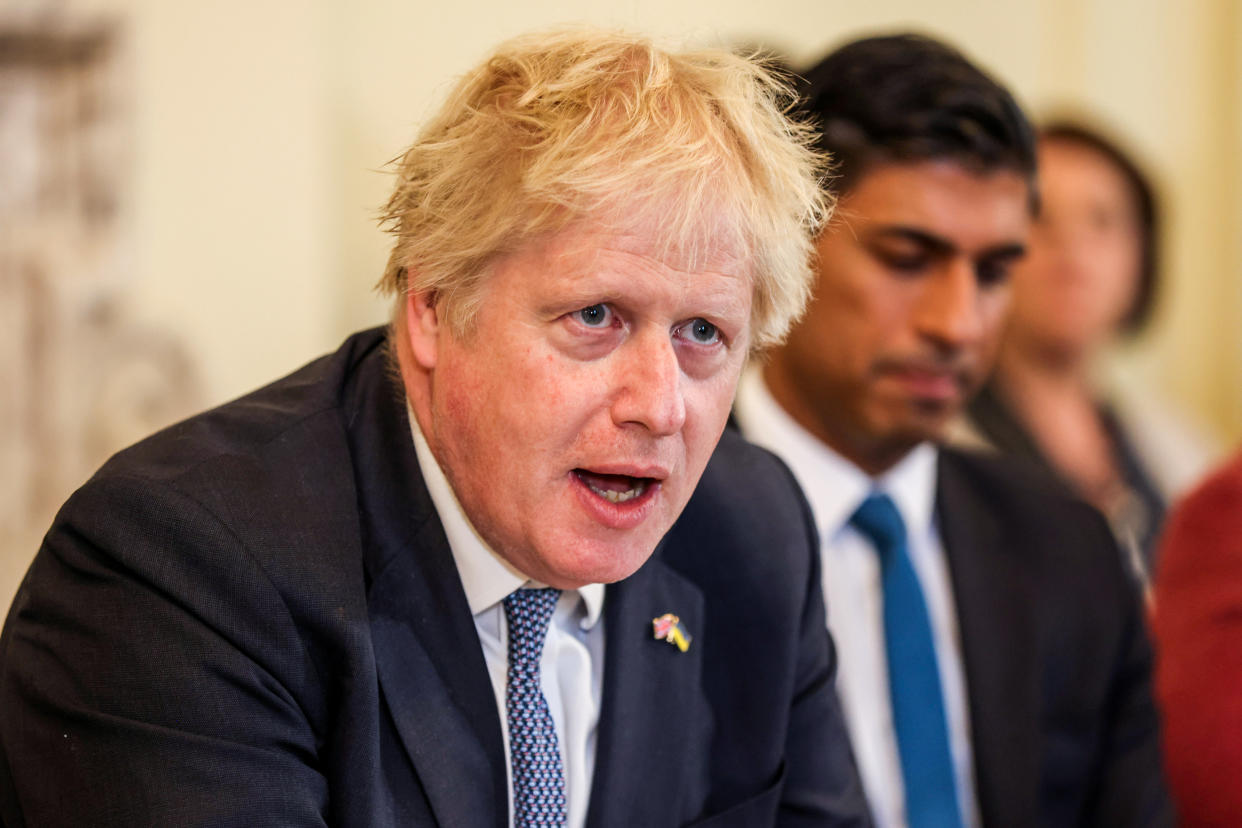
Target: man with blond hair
{"x": 488, "y": 567}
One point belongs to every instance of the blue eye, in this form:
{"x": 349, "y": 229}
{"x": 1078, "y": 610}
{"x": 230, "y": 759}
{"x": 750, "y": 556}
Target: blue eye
{"x": 701, "y": 331}
{"x": 594, "y": 316}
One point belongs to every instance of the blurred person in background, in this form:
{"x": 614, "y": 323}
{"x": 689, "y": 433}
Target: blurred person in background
{"x": 1090, "y": 276}
{"x": 995, "y": 668}
{"x": 1197, "y": 622}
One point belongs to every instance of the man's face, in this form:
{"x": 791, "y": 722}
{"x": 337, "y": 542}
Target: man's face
{"x": 576, "y": 416}
{"x": 911, "y": 294}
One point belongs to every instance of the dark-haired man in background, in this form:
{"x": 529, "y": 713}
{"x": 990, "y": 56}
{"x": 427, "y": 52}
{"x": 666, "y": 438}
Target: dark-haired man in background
{"x": 994, "y": 665}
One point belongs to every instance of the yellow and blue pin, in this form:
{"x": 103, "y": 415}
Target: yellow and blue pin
{"x": 668, "y": 627}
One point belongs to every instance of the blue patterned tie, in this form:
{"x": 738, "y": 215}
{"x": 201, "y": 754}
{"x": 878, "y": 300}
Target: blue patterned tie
{"x": 538, "y": 778}
{"x": 913, "y": 678}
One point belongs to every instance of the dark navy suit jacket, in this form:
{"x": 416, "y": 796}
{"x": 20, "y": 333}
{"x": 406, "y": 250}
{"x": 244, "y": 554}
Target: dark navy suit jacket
{"x": 1055, "y": 650}
{"x": 253, "y": 618}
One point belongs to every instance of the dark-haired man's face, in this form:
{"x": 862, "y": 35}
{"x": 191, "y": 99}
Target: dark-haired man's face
{"x": 912, "y": 291}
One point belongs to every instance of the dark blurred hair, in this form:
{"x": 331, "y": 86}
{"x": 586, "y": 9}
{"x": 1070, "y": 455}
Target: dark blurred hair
{"x": 908, "y": 98}
{"x": 1143, "y": 198}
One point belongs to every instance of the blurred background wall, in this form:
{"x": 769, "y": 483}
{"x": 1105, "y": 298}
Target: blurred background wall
{"x": 238, "y": 147}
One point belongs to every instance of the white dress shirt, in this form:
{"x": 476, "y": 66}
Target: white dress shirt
{"x": 852, "y": 590}
{"x": 571, "y": 669}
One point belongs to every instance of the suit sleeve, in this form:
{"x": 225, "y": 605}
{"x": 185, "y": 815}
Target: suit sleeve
{"x": 822, "y": 786}
{"x": 150, "y": 675}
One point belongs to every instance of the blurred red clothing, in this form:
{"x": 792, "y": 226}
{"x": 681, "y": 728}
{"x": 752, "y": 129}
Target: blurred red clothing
{"x": 1198, "y": 630}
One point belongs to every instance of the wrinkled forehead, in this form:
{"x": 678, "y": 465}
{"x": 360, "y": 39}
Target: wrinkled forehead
{"x": 686, "y": 237}
{"x": 627, "y": 268}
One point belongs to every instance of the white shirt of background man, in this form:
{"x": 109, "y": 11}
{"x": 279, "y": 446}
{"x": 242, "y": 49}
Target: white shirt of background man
{"x": 835, "y": 487}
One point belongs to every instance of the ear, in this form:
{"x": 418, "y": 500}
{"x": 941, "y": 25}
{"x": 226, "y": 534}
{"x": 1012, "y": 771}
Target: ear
{"x": 422, "y": 328}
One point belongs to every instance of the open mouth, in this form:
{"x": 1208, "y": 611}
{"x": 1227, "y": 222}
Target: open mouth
{"x": 615, "y": 488}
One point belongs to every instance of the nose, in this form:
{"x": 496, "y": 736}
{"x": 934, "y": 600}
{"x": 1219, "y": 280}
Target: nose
{"x": 649, "y": 385}
{"x": 948, "y": 312}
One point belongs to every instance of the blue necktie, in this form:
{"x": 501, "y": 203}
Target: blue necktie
{"x": 535, "y": 758}
{"x": 913, "y": 678}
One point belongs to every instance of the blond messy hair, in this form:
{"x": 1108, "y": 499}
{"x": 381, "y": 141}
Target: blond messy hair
{"x": 697, "y": 147}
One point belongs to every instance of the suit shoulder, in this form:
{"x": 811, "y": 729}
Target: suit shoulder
{"x": 1201, "y": 536}
{"x": 742, "y": 475}
{"x": 748, "y": 514}
{"x": 235, "y": 486}
{"x": 1012, "y": 488}
{"x": 1064, "y": 544}
{"x": 243, "y": 427}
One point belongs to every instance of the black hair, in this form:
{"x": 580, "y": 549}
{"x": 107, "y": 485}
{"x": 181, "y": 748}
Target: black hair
{"x": 909, "y": 98}
{"x": 1143, "y": 199}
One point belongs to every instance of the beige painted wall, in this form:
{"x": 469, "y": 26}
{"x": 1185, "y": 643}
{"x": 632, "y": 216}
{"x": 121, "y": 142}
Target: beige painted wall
{"x": 260, "y": 126}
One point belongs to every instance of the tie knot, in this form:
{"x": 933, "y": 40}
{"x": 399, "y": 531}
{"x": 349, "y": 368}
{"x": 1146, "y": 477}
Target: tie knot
{"x": 879, "y": 520}
{"x": 528, "y": 612}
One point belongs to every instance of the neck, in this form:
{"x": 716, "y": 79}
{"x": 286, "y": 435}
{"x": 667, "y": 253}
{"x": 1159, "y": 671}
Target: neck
{"x": 874, "y": 460}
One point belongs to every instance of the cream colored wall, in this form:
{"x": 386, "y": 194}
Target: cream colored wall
{"x": 260, "y": 126}
{"x": 234, "y": 186}
{"x": 1165, "y": 77}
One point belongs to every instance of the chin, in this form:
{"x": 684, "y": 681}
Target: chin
{"x": 910, "y": 421}
{"x": 930, "y": 419}
{"x": 597, "y": 561}
{"x": 904, "y": 436}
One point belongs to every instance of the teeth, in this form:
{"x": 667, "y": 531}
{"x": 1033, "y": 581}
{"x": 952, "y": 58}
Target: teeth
{"x": 619, "y": 497}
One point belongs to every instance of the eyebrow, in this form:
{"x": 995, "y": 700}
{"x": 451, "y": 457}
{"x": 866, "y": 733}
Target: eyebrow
{"x": 943, "y": 247}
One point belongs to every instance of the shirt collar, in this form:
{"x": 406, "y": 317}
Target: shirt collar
{"x": 912, "y": 486}
{"x": 833, "y": 485}
{"x": 485, "y": 576}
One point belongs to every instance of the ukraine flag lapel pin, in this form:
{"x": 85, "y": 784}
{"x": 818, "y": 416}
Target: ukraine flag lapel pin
{"x": 668, "y": 627}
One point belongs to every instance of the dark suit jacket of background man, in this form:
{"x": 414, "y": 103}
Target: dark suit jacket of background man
{"x": 1056, "y": 656}
{"x": 254, "y": 618}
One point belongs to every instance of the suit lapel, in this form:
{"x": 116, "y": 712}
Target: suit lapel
{"x": 998, "y": 645}
{"x": 653, "y": 722}
{"x": 430, "y": 664}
